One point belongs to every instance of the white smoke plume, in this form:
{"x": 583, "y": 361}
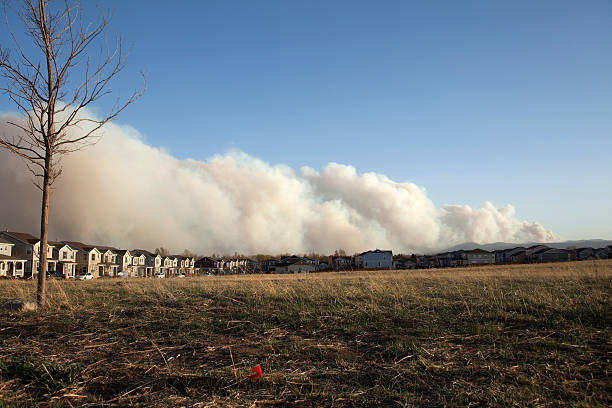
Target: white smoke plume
{"x": 122, "y": 192}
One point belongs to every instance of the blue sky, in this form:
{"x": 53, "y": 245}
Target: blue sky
{"x": 508, "y": 101}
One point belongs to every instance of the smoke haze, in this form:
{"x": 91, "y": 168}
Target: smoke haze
{"x": 125, "y": 193}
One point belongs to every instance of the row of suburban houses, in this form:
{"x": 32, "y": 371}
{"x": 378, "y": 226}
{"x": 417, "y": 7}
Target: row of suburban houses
{"x": 20, "y": 255}
{"x": 376, "y": 259}
{"x": 517, "y": 255}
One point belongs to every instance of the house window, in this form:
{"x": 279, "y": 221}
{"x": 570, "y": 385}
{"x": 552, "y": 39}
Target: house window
{"x": 64, "y": 255}
{"x": 93, "y": 257}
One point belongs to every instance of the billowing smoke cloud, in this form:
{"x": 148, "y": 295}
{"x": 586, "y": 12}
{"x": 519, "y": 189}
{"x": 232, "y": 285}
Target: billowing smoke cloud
{"x": 125, "y": 193}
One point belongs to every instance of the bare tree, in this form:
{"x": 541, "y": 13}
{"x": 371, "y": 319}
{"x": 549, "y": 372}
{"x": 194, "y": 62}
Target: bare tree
{"x": 162, "y": 251}
{"x": 187, "y": 253}
{"x": 52, "y": 81}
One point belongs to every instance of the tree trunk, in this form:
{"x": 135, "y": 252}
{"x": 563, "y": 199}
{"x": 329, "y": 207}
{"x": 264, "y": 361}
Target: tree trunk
{"x": 44, "y": 224}
{"x": 46, "y": 187}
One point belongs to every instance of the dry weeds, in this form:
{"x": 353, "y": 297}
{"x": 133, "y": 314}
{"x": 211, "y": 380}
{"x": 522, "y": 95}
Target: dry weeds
{"x": 526, "y": 335}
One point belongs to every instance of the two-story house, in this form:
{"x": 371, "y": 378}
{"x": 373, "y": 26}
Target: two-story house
{"x": 67, "y": 260}
{"x": 377, "y": 259}
{"x": 27, "y": 246}
{"x": 126, "y": 263}
{"x": 340, "y": 262}
{"x": 205, "y": 265}
{"x": 9, "y": 265}
{"x": 88, "y": 258}
{"x": 146, "y": 262}
{"x": 169, "y": 266}
{"x": 109, "y": 263}
{"x": 478, "y": 257}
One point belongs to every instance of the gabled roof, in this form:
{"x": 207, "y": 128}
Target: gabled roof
{"x": 376, "y": 251}
{"x": 73, "y": 247}
{"x": 144, "y": 251}
{"x": 557, "y": 250}
{"x": 140, "y": 252}
{"x": 205, "y": 258}
{"x": 24, "y": 237}
{"x": 289, "y": 256}
{"x": 4, "y": 241}
{"x": 88, "y": 247}
{"x": 105, "y": 248}
{"x": 535, "y": 246}
{"x": 477, "y": 251}
{"x": 79, "y": 245}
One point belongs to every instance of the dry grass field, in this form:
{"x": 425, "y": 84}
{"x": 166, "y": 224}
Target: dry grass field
{"x": 525, "y": 335}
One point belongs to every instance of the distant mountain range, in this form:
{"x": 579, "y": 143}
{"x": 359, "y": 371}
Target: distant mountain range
{"x": 593, "y": 243}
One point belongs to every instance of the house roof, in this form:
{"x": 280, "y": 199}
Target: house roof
{"x": 74, "y": 248}
{"x": 553, "y": 250}
{"x": 87, "y": 247}
{"x": 376, "y": 251}
{"x": 4, "y": 241}
{"x": 10, "y": 258}
{"x": 512, "y": 251}
{"x": 23, "y": 236}
{"x": 105, "y": 248}
{"x": 139, "y": 252}
{"x": 78, "y": 245}
{"x": 478, "y": 251}
{"x": 539, "y": 251}
{"x": 292, "y": 261}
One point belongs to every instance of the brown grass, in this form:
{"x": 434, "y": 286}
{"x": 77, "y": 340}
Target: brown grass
{"x": 525, "y": 335}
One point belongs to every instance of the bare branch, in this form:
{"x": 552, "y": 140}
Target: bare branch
{"x": 55, "y": 121}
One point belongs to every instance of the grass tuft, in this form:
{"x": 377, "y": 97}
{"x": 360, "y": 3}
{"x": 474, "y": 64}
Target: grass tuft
{"x": 525, "y": 335}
